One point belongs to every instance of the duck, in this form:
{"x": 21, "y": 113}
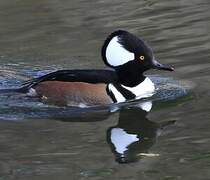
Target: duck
{"x": 127, "y": 57}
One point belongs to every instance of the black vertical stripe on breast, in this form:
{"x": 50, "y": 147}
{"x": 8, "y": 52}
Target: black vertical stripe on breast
{"x": 125, "y": 92}
{"x": 110, "y": 93}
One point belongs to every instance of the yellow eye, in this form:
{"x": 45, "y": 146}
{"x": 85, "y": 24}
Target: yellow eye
{"x": 141, "y": 58}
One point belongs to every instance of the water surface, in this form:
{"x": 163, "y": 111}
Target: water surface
{"x": 37, "y": 37}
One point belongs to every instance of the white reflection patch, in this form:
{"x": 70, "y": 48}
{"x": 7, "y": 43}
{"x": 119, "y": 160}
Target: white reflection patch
{"x": 121, "y": 139}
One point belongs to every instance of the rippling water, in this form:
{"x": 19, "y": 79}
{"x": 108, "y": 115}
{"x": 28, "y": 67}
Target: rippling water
{"x": 171, "y": 141}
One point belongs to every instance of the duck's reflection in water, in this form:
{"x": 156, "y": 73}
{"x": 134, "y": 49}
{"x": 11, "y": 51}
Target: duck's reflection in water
{"x": 134, "y": 134}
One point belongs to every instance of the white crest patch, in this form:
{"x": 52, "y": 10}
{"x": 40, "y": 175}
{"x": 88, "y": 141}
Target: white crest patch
{"x": 116, "y": 54}
{"x": 143, "y": 90}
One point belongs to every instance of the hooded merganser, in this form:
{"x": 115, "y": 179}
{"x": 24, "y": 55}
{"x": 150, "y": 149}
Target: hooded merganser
{"x": 128, "y": 56}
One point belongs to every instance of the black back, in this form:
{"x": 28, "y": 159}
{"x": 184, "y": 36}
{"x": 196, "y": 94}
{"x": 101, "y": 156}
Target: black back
{"x": 88, "y": 76}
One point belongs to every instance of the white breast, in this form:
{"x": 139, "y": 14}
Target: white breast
{"x": 144, "y": 89}
{"x": 118, "y": 96}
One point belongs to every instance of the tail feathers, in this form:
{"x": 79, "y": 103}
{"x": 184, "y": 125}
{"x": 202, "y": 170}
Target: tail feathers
{"x": 14, "y": 90}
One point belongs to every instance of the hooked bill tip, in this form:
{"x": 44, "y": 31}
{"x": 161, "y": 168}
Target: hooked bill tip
{"x": 157, "y": 65}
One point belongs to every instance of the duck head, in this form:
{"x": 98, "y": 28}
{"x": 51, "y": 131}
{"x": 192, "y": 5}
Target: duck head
{"x": 130, "y": 56}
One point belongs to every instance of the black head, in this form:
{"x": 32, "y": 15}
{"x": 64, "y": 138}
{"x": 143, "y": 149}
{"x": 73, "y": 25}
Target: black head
{"x": 123, "y": 50}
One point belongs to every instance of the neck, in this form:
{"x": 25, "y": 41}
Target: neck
{"x": 129, "y": 76}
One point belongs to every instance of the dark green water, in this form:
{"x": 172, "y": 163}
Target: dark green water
{"x": 40, "y": 142}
